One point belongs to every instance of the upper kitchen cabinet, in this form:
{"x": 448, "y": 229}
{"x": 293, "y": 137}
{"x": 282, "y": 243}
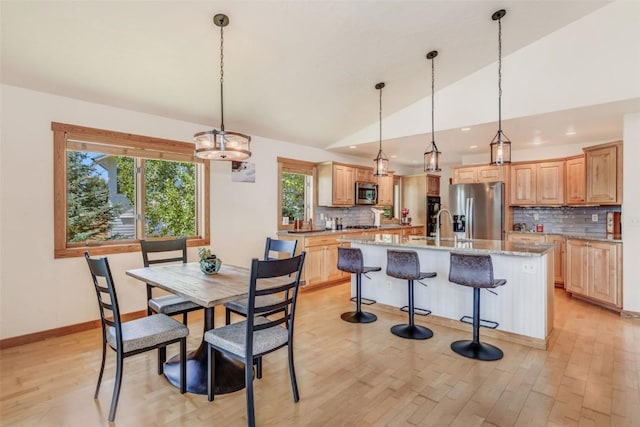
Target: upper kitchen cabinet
{"x": 603, "y": 169}
{"x": 365, "y": 175}
{"x": 433, "y": 185}
{"x": 537, "y": 183}
{"x": 574, "y": 180}
{"x": 483, "y": 173}
{"x": 385, "y": 190}
{"x": 336, "y": 184}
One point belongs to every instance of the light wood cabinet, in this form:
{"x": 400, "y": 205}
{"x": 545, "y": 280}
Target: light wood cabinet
{"x": 336, "y": 184}
{"x": 385, "y": 190}
{"x": 413, "y": 231}
{"x": 433, "y": 185}
{"x": 365, "y": 175}
{"x": 574, "y": 182}
{"x": 529, "y": 238}
{"x": 482, "y": 173}
{"x": 558, "y": 254}
{"x": 594, "y": 271}
{"x": 603, "y": 170}
{"x": 537, "y": 183}
{"x": 321, "y": 261}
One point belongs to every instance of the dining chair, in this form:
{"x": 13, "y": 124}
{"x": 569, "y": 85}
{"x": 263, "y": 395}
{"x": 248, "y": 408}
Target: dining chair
{"x": 132, "y": 337}
{"x": 248, "y": 341}
{"x": 170, "y": 305}
{"x": 272, "y": 247}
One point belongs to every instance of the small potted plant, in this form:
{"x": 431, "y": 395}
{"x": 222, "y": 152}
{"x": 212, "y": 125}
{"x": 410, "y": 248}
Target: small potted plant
{"x": 209, "y": 263}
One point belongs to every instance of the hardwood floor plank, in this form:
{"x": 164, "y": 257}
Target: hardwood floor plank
{"x": 350, "y": 375}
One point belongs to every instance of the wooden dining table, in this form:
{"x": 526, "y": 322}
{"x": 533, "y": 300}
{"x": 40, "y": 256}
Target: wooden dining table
{"x": 188, "y": 281}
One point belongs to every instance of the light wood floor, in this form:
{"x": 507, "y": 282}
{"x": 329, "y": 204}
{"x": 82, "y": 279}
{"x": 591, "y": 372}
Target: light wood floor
{"x": 351, "y": 375}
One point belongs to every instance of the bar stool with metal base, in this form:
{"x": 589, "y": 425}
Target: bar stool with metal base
{"x": 406, "y": 265}
{"x": 351, "y": 261}
{"x": 475, "y": 271}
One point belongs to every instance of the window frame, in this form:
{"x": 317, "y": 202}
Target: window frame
{"x": 135, "y": 146}
{"x": 301, "y": 167}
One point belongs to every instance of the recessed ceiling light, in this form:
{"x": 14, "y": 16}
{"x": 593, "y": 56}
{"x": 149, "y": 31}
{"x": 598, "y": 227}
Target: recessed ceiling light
{"x": 352, "y": 147}
{"x": 414, "y": 161}
{"x": 473, "y": 146}
{"x": 393, "y": 156}
{"x": 570, "y": 132}
{"x": 465, "y": 129}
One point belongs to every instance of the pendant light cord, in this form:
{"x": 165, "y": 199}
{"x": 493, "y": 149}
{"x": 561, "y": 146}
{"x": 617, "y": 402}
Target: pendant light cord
{"x": 380, "y": 113}
{"x": 499, "y": 75}
{"x": 221, "y": 77}
{"x": 433, "y": 141}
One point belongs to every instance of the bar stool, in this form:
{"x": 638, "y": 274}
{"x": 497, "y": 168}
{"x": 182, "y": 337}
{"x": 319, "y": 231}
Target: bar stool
{"x": 351, "y": 261}
{"x": 405, "y": 265}
{"x": 475, "y": 271}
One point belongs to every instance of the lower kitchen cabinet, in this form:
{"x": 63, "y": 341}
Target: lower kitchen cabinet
{"x": 594, "y": 271}
{"x": 321, "y": 263}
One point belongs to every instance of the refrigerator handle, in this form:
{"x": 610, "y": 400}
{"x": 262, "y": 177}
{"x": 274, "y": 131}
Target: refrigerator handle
{"x": 469, "y": 211}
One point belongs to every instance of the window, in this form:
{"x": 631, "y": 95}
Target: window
{"x": 112, "y": 189}
{"x": 295, "y": 191}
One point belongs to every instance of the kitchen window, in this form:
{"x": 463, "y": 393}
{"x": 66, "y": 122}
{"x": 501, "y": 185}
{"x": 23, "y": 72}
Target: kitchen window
{"x": 296, "y": 180}
{"x": 112, "y": 189}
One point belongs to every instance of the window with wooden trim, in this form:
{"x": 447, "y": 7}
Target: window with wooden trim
{"x": 112, "y": 189}
{"x": 296, "y": 192}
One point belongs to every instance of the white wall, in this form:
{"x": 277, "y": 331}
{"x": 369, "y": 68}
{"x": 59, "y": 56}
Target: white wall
{"x": 631, "y": 213}
{"x": 38, "y": 292}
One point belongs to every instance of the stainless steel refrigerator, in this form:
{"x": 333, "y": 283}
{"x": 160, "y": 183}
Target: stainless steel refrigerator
{"x": 478, "y": 210}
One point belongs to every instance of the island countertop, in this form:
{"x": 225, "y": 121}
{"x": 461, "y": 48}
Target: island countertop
{"x": 501, "y": 247}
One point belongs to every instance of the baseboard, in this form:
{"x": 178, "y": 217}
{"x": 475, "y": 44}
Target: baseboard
{"x": 628, "y": 314}
{"x": 62, "y": 331}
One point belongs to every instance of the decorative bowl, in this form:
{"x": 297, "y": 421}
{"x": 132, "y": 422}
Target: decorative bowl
{"x": 210, "y": 265}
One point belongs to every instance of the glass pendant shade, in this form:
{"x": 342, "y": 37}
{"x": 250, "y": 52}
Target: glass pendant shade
{"x": 222, "y": 145}
{"x": 431, "y": 159}
{"x": 500, "y": 149}
{"x": 381, "y": 164}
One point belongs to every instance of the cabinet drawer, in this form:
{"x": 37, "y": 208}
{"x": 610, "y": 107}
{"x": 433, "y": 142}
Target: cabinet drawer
{"x": 322, "y": 240}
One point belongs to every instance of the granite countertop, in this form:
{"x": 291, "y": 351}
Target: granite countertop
{"x": 319, "y": 232}
{"x": 500, "y": 247}
{"x": 605, "y": 237}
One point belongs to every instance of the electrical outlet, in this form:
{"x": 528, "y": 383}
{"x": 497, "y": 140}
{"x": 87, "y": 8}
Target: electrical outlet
{"x": 528, "y": 268}
{"x": 635, "y": 221}
{"x": 536, "y": 217}
{"x": 388, "y": 284}
{"x": 594, "y": 217}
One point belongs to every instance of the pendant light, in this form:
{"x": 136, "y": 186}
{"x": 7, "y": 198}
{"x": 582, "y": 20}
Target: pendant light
{"x": 432, "y": 157}
{"x": 500, "y": 145}
{"x": 222, "y": 144}
{"x": 381, "y": 163}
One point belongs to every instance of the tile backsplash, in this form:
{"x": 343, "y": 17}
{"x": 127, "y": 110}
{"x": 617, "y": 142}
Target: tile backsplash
{"x": 565, "y": 219}
{"x": 356, "y": 215}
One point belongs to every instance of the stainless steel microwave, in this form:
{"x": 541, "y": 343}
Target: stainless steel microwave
{"x": 366, "y": 193}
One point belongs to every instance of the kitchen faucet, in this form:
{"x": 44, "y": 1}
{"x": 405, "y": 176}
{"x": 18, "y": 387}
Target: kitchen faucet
{"x": 438, "y": 223}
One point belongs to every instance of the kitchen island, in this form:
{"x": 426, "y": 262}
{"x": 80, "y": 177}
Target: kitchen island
{"x": 523, "y": 307}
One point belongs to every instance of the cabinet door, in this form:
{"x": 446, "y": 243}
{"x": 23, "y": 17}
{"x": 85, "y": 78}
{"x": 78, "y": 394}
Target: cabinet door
{"x": 343, "y": 185}
{"x": 331, "y": 271}
{"x": 523, "y": 184}
{"x": 314, "y": 265}
{"x": 529, "y": 238}
{"x": 601, "y": 172}
{"x": 574, "y": 181}
{"x": 558, "y": 253}
{"x": 577, "y": 261}
{"x": 465, "y": 175}
{"x": 550, "y": 183}
{"x": 433, "y": 185}
{"x": 603, "y": 272}
{"x": 490, "y": 173}
{"x": 364, "y": 175}
{"x": 385, "y": 190}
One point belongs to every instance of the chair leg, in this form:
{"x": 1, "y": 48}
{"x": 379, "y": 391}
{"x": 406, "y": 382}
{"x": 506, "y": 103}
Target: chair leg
{"x": 227, "y": 316}
{"x": 116, "y": 388}
{"x": 162, "y": 357}
{"x": 104, "y": 354}
{"x": 259, "y": 368}
{"x": 183, "y": 365}
{"x": 211, "y": 375}
{"x": 292, "y": 373}
{"x": 184, "y": 318}
{"x": 248, "y": 378}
